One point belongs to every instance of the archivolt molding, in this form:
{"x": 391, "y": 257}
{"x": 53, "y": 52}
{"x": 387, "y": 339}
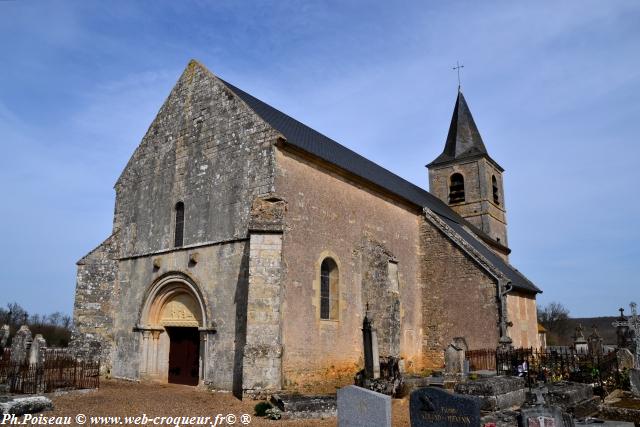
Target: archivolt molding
{"x": 173, "y": 300}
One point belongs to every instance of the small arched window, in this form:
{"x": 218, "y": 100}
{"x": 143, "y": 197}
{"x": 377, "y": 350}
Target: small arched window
{"x": 179, "y": 231}
{"x": 496, "y": 193}
{"x": 456, "y": 188}
{"x": 329, "y": 289}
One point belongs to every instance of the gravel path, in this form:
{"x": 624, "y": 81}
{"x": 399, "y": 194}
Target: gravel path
{"x": 120, "y": 399}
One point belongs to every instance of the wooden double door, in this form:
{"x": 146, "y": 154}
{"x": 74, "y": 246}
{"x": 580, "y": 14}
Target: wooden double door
{"x": 184, "y": 355}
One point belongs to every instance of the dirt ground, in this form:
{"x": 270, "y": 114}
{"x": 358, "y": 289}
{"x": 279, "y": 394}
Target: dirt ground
{"x": 128, "y": 399}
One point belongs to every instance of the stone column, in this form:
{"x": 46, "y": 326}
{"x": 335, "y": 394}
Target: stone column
{"x": 145, "y": 352}
{"x": 262, "y": 369}
{"x": 155, "y": 334}
{"x": 204, "y": 351}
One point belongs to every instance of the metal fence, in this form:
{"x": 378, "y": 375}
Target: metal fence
{"x": 557, "y": 365}
{"x": 484, "y": 359}
{"x": 58, "y": 372}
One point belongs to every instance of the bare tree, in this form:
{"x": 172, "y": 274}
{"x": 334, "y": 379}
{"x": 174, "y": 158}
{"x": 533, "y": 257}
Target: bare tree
{"x": 55, "y": 319}
{"x": 554, "y": 317}
{"x": 16, "y": 314}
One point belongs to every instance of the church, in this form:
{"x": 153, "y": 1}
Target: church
{"x": 247, "y": 248}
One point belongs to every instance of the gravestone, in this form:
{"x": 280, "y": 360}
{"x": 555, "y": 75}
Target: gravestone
{"x": 4, "y": 336}
{"x": 297, "y": 406}
{"x": 579, "y": 341}
{"x": 434, "y": 407}
{"x": 595, "y": 343}
{"x": 632, "y": 325}
{"x": 574, "y": 398}
{"x": 37, "y": 350}
{"x": 543, "y": 415}
{"x": 625, "y": 358}
{"x": 359, "y": 407}
{"x": 631, "y": 328}
{"x": 496, "y": 393}
{"x": 20, "y": 345}
{"x": 454, "y": 360}
{"x": 634, "y": 380}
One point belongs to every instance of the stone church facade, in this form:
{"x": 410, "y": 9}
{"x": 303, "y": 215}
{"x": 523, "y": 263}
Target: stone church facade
{"x": 246, "y": 248}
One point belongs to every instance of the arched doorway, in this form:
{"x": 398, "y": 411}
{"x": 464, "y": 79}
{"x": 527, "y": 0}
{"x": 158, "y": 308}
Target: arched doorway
{"x": 173, "y": 337}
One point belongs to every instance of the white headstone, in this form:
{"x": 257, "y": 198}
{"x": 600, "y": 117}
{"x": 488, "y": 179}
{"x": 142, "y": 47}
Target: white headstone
{"x": 36, "y": 352}
{"x": 359, "y": 407}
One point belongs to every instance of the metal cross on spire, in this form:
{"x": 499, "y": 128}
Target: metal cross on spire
{"x": 457, "y": 68}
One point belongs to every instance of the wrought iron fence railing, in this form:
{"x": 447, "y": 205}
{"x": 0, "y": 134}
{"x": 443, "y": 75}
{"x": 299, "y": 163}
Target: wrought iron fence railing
{"x": 58, "y": 372}
{"x": 559, "y": 364}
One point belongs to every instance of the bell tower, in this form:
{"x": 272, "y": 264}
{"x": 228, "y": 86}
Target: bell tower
{"x": 466, "y": 178}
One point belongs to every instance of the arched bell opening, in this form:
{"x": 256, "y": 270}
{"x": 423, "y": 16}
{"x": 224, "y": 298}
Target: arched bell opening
{"x": 173, "y": 332}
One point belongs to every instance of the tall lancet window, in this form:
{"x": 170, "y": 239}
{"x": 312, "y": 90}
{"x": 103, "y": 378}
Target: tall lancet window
{"x": 179, "y": 231}
{"x": 328, "y": 289}
{"x": 496, "y": 194}
{"x": 456, "y": 188}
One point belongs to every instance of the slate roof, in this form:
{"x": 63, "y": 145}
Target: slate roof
{"x": 311, "y": 141}
{"x": 463, "y": 139}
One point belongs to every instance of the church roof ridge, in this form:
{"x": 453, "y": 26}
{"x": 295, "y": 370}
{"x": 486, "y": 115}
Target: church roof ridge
{"x": 313, "y": 142}
{"x": 463, "y": 139}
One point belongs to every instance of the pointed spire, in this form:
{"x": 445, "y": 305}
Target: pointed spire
{"x": 464, "y": 139}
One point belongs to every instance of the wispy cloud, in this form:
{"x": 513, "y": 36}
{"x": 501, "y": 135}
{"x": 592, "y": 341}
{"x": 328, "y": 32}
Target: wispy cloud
{"x": 552, "y": 86}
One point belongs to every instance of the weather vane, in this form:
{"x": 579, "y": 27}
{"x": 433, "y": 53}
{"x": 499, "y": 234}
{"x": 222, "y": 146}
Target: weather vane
{"x": 457, "y": 68}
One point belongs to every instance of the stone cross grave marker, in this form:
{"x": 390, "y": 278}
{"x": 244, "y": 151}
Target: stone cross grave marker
{"x": 633, "y": 323}
{"x": 359, "y": 407}
{"x": 434, "y": 407}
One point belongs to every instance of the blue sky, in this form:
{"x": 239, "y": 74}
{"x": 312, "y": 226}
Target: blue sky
{"x": 553, "y": 87}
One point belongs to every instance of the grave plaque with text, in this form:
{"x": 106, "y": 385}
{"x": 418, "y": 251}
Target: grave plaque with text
{"x": 434, "y": 407}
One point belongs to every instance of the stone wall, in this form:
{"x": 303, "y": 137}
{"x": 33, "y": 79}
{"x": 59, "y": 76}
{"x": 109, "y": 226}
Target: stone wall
{"x": 96, "y": 298}
{"x": 220, "y": 275}
{"x": 205, "y": 148}
{"x": 263, "y": 350}
{"x": 459, "y": 298}
{"x": 478, "y": 208}
{"x": 522, "y": 311}
{"x": 330, "y": 216}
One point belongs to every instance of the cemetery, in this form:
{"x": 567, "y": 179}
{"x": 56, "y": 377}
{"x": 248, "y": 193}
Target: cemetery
{"x": 306, "y": 234}
{"x": 506, "y": 386}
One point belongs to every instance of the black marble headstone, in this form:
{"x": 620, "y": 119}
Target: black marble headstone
{"x": 434, "y": 407}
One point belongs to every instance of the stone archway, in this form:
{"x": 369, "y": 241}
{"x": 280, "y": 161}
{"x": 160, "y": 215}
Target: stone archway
{"x": 173, "y": 336}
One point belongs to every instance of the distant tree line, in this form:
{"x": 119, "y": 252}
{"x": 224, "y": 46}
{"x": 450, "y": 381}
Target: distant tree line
{"x": 55, "y": 327}
{"x": 555, "y": 319}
